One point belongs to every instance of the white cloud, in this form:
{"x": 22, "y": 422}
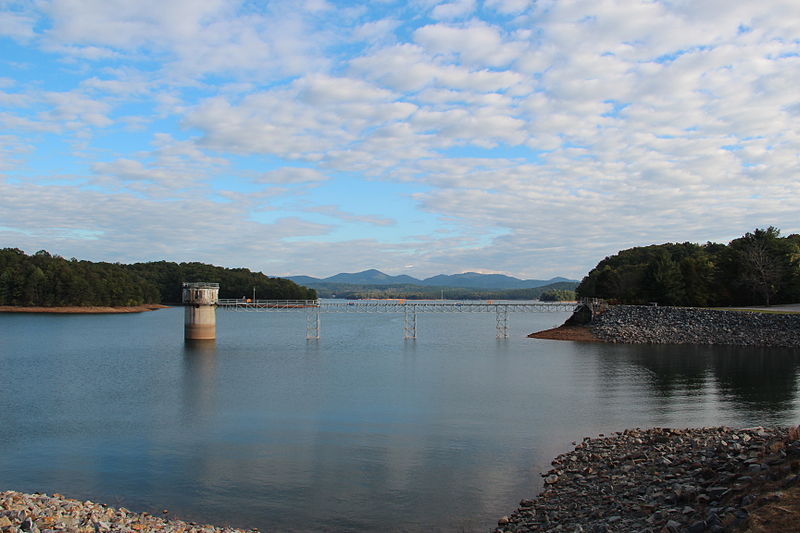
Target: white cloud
{"x": 133, "y": 229}
{"x": 11, "y": 151}
{"x": 76, "y": 110}
{"x": 288, "y": 175}
{"x": 407, "y": 68}
{"x": 476, "y": 44}
{"x": 480, "y": 127}
{"x": 314, "y": 115}
{"x": 534, "y": 137}
{"x": 172, "y": 166}
{"x": 509, "y": 6}
{"x": 376, "y": 31}
{"x": 263, "y": 123}
{"x": 334, "y": 212}
{"x": 454, "y": 9}
{"x": 120, "y": 83}
{"x": 192, "y": 38}
{"x": 16, "y": 24}
{"x": 17, "y": 123}
{"x": 321, "y": 90}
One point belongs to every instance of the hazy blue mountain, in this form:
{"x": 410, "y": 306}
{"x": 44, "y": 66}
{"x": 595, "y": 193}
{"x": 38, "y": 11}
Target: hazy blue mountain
{"x": 371, "y": 277}
{"x": 305, "y": 280}
{"x": 468, "y": 280}
{"x": 473, "y": 280}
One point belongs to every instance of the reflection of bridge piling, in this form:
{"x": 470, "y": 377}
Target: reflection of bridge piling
{"x": 200, "y": 301}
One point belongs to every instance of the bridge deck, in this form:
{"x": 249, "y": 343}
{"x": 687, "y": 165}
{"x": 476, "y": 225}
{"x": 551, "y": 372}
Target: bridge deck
{"x": 395, "y": 306}
{"x": 409, "y": 309}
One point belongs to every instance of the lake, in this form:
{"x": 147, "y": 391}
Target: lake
{"x": 359, "y": 431}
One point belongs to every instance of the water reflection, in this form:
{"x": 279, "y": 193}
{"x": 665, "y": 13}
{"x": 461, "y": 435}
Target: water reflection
{"x": 360, "y": 430}
{"x": 199, "y": 380}
{"x": 756, "y": 382}
{"x": 674, "y": 368}
{"x": 763, "y": 379}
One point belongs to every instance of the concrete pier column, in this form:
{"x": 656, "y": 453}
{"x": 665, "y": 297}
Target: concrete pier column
{"x": 200, "y": 301}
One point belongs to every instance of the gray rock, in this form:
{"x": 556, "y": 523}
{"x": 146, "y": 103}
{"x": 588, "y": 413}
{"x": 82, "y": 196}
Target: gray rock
{"x": 52, "y": 514}
{"x": 677, "y": 325}
{"x": 618, "y": 484}
{"x": 697, "y": 527}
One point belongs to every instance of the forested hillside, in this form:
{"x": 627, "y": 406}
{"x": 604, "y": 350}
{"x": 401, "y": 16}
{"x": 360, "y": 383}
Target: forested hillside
{"x": 48, "y": 280}
{"x": 760, "y": 268}
{"x": 233, "y": 282}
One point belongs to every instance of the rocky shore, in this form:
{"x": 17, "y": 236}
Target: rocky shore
{"x": 670, "y": 481}
{"x": 678, "y": 325}
{"x": 681, "y": 325}
{"x": 40, "y": 513}
{"x": 637, "y": 481}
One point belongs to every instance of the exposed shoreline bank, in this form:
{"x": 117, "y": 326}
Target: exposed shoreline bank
{"x": 567, "y": 333}
{"x": 82, "y": 310}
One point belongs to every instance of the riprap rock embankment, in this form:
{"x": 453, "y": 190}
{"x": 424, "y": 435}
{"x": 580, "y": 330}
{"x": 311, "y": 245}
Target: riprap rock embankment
{"x": 678, "y": 325}
{"x": 662, "y": 481}
{"x": 40, "y": 513}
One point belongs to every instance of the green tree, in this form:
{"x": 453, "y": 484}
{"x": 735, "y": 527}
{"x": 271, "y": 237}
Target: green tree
{"x": 663, "y": 280}
{"x": 759, "y": 268}
{"x": 757, "y": 264}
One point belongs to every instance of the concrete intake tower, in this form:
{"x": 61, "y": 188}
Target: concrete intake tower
{"x": 200, "y": 301}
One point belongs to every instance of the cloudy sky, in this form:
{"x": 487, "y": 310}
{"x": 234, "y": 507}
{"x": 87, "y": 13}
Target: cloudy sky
{"x": 526, "y": 137}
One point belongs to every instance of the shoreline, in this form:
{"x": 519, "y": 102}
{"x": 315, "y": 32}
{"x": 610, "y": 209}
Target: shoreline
{"x": 638, "y": 324}
{"x": 82, "y": 310}
{"x": 567, "y": 333}
{"x": 38, "y": 512}
{"x": 663, "y": 480}
{"x": 657, "y": 480}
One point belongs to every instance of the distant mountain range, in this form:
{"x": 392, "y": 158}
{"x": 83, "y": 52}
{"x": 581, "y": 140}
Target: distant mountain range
{"x": 468, "y": 280}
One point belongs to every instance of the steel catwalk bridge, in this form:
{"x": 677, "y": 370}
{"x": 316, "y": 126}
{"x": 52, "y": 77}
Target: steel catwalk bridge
{"x": 408, "y": 308}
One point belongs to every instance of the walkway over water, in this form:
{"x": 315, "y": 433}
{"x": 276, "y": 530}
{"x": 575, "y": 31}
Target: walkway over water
{"x": 409, "y": 309}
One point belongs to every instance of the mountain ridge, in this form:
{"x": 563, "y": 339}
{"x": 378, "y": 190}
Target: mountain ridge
{"x": 466, "y": 280}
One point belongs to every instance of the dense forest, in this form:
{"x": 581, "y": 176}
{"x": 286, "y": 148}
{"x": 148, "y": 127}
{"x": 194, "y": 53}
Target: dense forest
{"x": 558, "y": 295}
{"x": 760, "y": 268}
{"x": 48, "y": 280}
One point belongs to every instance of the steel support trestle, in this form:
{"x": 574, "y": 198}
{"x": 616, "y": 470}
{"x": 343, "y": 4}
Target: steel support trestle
{"x": 502, "y": 322}
{"x": 314, "y": 308}
{"x": 312, "y": 323}
{"x": 410, "y": 322}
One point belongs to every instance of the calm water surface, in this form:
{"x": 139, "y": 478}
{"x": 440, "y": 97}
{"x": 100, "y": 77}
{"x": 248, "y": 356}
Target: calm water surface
{"x": 360, "y": 431}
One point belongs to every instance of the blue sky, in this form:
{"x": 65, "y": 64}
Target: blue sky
{"x": 531, "y": 138}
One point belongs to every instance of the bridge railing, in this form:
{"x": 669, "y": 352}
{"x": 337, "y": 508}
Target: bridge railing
{"x": 393, "y": 306}
{"x": 409, "y": 308}
{"x": 246, "y": 303}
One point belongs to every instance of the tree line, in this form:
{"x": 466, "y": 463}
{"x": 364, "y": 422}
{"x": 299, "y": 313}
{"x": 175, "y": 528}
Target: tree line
{"x": 558, "y": 295}
{"x": 49, "y": 280}
{"x": 352, "y": 291}
{"x": 759, "y": 268}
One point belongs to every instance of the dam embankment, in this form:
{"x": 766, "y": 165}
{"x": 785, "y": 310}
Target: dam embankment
{"x": 680, "y": 325}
